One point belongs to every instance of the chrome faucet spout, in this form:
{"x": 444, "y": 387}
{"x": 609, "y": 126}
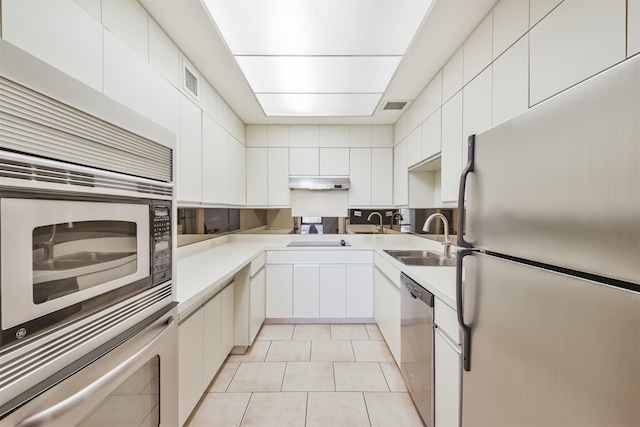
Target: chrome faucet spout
{"x": 445, "y": 222}
{"x": 397, "y": 216}
{"x": 379, "y": 216}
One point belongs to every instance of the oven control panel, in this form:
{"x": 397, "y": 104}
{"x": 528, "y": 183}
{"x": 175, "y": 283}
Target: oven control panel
{"x": 161, "y": 241}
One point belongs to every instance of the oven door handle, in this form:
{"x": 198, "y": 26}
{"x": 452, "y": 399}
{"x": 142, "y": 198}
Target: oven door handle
{"x": 117, "y": 374}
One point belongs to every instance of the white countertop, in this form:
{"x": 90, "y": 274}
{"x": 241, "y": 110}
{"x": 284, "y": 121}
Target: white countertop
{"x": 203, "y": 268}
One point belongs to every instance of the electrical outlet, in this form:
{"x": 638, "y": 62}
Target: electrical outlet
{"x": 388, "y": 213}
{"x": 379, "y": 238}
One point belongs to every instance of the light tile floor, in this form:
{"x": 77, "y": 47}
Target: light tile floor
{"x": 337, "y": 375}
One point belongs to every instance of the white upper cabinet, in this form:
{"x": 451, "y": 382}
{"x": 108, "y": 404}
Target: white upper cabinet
{"x": 304, "y": 161}
{"x": 478, "y": 49}
{"x": 511, "y": 82}
{"x": 164, "y": 55}
{"x": 633, "y": 27}
{"x": 400, "y": 175}
{"x": 538, "y": 9}
{"x": 237, "y": 172}
{"x": 382, "y": 177}
{"x": 257, "y": 186}
{"x": 432, "y": 96}
{"x": 304, "y": 136}
{"x": 414, "y": 146}
{"x": 215, "y": 163}
{"x": 334, "y": 136}
{"x": 278, "y": 179}
{"x": 165, "y": 103}
{"x": 451, "y": 160}
{"x": 360, "y": 136}
{"x": 334, "y": 161}
{"x": 432, "y": 134}
{"x": 575, "y": 41}
{"x": 360, "y": 176}
{"x": 476, "y": 110}
{"x": 42, "y": 27}
{"x": 93, "y": 7}
{"x": 510, "y": 22}
{"x": 278, "y": 135}
{"x": 131, "y": 84}
{"x": 190, "y": 156}
{"x": 128, "y": 21}
{"x": 381, "y": 136}
{"x": 257, "y": 136}
{"x": 452, "y": 76}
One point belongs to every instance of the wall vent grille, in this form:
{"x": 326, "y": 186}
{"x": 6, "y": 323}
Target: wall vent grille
{"x": 395, "y": 105}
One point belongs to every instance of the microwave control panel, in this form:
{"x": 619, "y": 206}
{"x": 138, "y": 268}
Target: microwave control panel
{"x": 161, "y": 215}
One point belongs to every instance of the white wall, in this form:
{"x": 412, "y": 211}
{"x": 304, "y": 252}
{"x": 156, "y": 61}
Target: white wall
{"x": 522, "y": 53}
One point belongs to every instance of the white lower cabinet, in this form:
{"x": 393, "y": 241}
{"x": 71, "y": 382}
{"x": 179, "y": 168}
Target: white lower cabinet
{"x": 333, "y": 290}
{"x": 387, "y": 311}
{"x": 448, "y": 365}
{"x": 306, "y": 291}
{"x": 205, "y": 339}
{"x": 279, "y": 298}
{"x": 337, "y": 285}
{"x": 190, "y": 370}
{"x": 359, "y": 284}
{"x": 257, "y": 297}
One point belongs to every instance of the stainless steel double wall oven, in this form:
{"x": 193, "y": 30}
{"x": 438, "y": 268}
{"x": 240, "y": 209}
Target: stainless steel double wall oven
{"x": 87, "y": 330}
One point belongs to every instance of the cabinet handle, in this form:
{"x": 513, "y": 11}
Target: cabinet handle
{"x": 462, "y": 189}
{"x": 464, "y": 328}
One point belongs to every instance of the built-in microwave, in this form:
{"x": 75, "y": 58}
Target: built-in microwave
{"x": 65, "y": 254}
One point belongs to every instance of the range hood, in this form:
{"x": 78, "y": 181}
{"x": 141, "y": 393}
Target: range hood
{"x": 319, "y": 183}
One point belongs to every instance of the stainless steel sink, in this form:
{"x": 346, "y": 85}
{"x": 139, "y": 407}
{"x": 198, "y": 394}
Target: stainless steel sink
{"x": 421, "y": 258}
{"x": 78, "y": 260}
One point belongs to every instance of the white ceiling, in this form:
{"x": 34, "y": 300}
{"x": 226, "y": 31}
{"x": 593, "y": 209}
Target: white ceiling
{"x": 446, "y": 27}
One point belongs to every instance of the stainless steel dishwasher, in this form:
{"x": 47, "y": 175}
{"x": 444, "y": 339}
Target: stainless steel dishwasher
{"x": 416, "y": 334}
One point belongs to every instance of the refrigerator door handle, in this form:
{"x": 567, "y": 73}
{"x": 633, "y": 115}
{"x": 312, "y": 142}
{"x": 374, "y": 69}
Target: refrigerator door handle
{"x": 464, "y": 328}
{"x": 462, "y": 189}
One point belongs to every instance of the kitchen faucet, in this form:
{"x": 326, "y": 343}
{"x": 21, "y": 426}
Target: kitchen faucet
{"x": 380, "y": 216}
{"x": 396, "y": 215}
{"x": 447, "y": 242}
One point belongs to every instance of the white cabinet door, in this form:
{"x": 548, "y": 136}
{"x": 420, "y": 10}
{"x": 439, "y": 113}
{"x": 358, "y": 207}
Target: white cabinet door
{"x": 306, "y": 290}
{"x": 212, "y": 359}
{"x": 279, "y": 298}
{"x": 237, "y": 176}
{"x": 359, "y": 291}
{"x": 476, "y": 107}
{"x": 215, "y": 162}
{"x": 575, "y": 41}
{"x": 387, "y": 312}
{"x": 190, "y": 156}
{"x": 381, "y": 176}
{"x": 190, "y": 359}
{"x": 334, "y": 161}
{"x": 360, "y": 177}
{"x": 633, "y": 27}
{"x": 60, "y": 33}
{"x": 511, "y": 82}
{"x": 447, "y": 382}
{"x": 431, "y": 134}
{"x": 333, "y": 290}
{"x": 304, "y": 161}
{"x": 278, "y": 176}
{"x": 400, "y": 175}
{"x": 414, "y": 146}
{"x": 452, "y": 140}
{"x": 257, "y": 296}
{"x": 257, "y": 186}
{"x": 226, "y": 320}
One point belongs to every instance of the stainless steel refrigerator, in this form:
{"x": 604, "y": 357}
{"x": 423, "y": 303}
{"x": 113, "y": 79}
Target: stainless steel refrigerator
{"x": 549, "y": 291}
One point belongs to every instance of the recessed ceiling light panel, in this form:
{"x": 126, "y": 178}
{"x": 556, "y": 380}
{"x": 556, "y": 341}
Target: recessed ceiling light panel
{"x": 318, "y": 105}
{"x": 318, "y": 27}
{"x": 318, "y": 74}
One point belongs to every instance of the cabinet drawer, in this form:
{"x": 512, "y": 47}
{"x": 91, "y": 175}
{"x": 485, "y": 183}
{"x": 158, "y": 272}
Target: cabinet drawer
{"x": 319, "y": 257}
{"x": 257, "y": 263}
{"x": 392, "y": 273}
{"x": 446, "y": 320}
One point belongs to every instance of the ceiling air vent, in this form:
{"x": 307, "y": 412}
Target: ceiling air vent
{"x": 394, "y": 105}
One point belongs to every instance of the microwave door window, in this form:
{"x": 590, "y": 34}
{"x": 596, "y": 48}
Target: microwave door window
{"x": 71, "y": 257}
